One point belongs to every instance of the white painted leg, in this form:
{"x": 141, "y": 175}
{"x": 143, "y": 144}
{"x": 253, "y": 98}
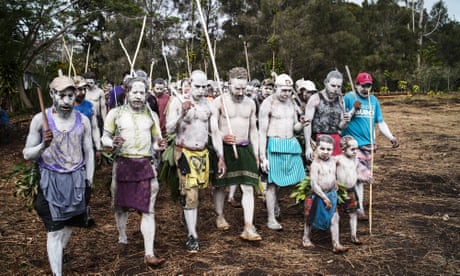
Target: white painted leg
{"x": 121, "y": 218}
{"x": 54, "y": 247}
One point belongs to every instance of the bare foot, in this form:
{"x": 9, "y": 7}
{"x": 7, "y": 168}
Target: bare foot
{"x": 340, "y": 249}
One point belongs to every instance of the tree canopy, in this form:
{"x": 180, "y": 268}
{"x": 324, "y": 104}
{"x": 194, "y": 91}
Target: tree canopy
{"x": 393, "y": 40}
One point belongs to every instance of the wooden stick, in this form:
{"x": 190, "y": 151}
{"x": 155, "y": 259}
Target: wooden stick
{"x": 247, "y": 59}
{"x": 69, "y": 57}
{"x": 166, "y": 61}
{"x": 70, "y": 61}
{"x": 189, "y": 67}
{"x": 42, "y": 106}
{"x": 127, "y": 55}
{"x": 150, "y": 74}
{"x": 138, "y": 44}
{"x": 216, "y": 73}
{"x": 351, "y": 81}
{"x": 372, "y": 162}
{"x": 87, "y": 57}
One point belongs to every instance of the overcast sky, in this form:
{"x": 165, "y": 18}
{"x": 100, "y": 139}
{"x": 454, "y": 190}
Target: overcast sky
{"x": 453, "y": 7}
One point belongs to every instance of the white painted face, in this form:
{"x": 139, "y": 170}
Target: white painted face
{"x": 334, "y": 88}
{"x": 364, "y": 89}
{"x": 249, "y": 90}
{"x": 91, "y": 83}
{"x": 137, "y": 96}
{"x": 63, "y": 101}
{"x": 352, "y": 149}
{"x": 199, "y": 86}
{"x": 283, "y": 92}
{"x": 325, "y": 150}
{"x": 238, "y": 89}
{"x": 267, "y": 91}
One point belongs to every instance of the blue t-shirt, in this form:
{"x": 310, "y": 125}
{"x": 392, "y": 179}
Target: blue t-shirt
{"x": 359, "y": 125}
{"x": 86, "y": 108}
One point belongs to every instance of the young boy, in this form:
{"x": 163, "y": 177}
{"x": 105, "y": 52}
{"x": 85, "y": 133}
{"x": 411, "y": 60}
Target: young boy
{"x": 323, "y": 214}
{"x": 348, "y": 173}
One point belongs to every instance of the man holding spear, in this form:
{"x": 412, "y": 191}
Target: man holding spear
{"x": 243, "y": 169}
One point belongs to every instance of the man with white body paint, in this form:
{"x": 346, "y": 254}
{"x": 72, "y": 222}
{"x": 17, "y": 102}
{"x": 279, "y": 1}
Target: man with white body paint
{"x": 191, "y": 118}
{"x": 348, "y": 173}
{"x": 134, "y": 132}
{"x": 65, "y": 158}
{"x": 323, "y": 214}
{"x": 96, "y": 96}
{"x": 279, "y": 150}
{"x": 362, "y": 126}
{"x": 241, "y": 170}
{"x": 326, "y": 113}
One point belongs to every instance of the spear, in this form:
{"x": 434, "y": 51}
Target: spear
{"x": 150, "y": 74}
{"x": 126, "y": 54}
{"x": 372, "y": 163}
{"x": 188, "y": 60}
{"x": 216, "y": 73}
{"x": 138, "y": 44}
{"x": 166, "y": 60}
{"x": 69, "y": 57}
{"x": 42, "y": 106}
{"x": 247, "y": 58}
{"x": 87, "y": 58}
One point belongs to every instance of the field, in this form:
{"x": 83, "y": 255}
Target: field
{"x": 415, "y": 217}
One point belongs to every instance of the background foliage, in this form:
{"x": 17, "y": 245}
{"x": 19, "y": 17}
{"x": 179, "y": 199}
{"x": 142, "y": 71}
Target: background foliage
{"x": 393, "y": 40}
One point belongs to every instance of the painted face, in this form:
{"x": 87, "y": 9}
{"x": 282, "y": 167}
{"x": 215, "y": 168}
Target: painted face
{"x": 325, "y": 150}
{"x": 63, "y": 101}
{"x": 249, "y": 90}
{"x": 283, "y": 92}
{"x": 137, "y": 96}
{"x": 238, "y": 89}
{"x": 364, "y": 89}
{"x": 91, "y": 83}
{"x": 304, "y": 94}
{"x": 267, "y": 90}
{"x": 334, "y": 88}
{"x": 199, "y": 87}
{"x": 159, "y": 89}
{"x": 352, "y": 149}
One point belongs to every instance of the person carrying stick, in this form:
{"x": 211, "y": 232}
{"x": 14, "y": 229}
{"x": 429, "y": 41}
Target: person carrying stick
{"x": 59, "y": 140}
{"x": 361, "y": 127}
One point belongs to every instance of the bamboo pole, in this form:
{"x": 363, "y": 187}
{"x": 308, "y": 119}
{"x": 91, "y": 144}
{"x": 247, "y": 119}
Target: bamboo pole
{"x": 247, "y": 59}
{"x": 166, "y": 61}
{"x": 216, "y": 73}
{"x": 138, "y": 44}
{"x": 372, "y": 161}
{"x": 87, "y": 57}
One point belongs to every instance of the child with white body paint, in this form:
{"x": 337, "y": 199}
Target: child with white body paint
{"x": 349, "y": 174}
{"x": 323, "y": 182}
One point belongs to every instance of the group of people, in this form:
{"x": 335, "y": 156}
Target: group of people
{"x": 253, "y": 142}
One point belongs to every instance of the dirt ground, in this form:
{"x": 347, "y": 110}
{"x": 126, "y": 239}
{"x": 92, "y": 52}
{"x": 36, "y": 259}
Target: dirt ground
{"x": 415, "y": 217}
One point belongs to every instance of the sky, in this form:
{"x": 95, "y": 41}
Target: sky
{"x": 453, "y": 7}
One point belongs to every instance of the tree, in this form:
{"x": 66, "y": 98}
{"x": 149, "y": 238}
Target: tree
{"x": 38, "y": 25}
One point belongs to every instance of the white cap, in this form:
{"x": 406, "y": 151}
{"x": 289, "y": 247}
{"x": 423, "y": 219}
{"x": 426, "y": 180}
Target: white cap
{"x": 308, "y": 85}
{"x": 61, "y": 83}
{"x": 283, "y": 79}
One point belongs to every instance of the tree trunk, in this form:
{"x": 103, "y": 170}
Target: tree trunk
{"x": 25, "y": 101}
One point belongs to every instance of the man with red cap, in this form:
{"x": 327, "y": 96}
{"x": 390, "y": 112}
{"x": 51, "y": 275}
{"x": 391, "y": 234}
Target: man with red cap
{"x": 363, "y": 118}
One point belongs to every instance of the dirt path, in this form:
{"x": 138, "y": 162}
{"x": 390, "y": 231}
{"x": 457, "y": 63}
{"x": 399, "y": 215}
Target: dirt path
{"x": 416, "y": 225}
